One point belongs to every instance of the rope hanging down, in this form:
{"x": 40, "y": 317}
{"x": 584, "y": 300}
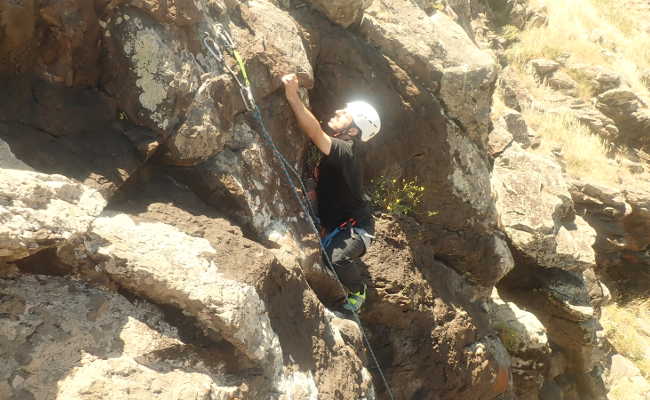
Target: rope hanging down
{"x": 250, "y": 104}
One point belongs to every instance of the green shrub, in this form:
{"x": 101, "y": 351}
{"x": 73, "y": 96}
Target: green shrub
{"x": 397, "y": 196}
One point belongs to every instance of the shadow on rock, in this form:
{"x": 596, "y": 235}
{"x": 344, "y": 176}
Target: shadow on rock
{"x": 76, "y": 132}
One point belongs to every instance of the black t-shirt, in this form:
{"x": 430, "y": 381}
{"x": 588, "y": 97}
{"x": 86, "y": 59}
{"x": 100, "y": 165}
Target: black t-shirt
{"x": 340, "y": 186}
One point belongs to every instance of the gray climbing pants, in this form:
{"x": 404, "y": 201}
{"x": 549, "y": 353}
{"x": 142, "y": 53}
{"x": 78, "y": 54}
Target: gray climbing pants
{"x": 344, "y": 251}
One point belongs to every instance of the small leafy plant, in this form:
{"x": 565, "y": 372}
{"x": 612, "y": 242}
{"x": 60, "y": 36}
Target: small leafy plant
{"x": 397, "y": 196}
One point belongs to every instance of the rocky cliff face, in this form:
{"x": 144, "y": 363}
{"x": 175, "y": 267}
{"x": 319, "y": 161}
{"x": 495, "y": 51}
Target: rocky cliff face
{"x": 151, "y": 247}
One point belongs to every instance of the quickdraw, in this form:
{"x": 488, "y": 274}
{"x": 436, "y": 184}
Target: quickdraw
{"x": 250, "y": 104}
{"x": 214, "y": 49}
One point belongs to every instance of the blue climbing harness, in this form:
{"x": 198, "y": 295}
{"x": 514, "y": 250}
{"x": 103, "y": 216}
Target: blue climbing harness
{"x": 354, "y": 230}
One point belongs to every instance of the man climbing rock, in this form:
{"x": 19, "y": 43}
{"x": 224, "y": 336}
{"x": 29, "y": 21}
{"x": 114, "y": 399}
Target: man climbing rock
{"x": 344, "y": 214}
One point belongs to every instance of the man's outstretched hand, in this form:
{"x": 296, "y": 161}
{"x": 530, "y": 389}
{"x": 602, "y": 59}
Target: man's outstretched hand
{"x": 291, "y": 86}
{"x": 306, "y": 120}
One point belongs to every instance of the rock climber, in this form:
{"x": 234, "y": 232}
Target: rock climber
{"x": 346, "y": 218}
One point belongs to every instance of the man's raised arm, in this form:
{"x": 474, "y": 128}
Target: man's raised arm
{"x": 306, "y": 120}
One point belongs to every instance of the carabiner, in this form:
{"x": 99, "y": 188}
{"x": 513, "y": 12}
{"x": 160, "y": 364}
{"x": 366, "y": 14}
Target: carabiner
{"x": 227, "y": 40}
{"x": 213, "y": 47}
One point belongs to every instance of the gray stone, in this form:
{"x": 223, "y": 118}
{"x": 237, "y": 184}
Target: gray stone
{"x": 607, "y": 80}
{"x": 9, "y": 160}
{"x": 440, "y": 54}
{"x": 525, "y": 338}
{"x": 561, "y": 81}
{"x": 203, "y": 132}
{"x": 517, "y": 126}
{"x": 597, "y": 122}
{"x": 223, "y": 285}
{"x": 165, "y": 265}
{"x": 342, "y": 12}
{"x": 499, "y": 140}
{"x": 157, "y": 72}
{"x": 629, "y": 113}
{"x": 544, "y": 67}
{"x": 65, "y": 340}
{"x": 619, "y": 102}
{"x": 535, "y": 206}
{"x": 601, "y": 79}
{"x": 41, "y": 211}
{"x": 515, "y": 95}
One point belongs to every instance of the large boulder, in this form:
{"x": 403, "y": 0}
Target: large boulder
{"x": 159, "y": 76}
{"x": 233, "y": 175}
{"x": 238, "y": 293}
{"x": 631, "y": 115}
{"x": 438, "y": 53}
{"x": 232, "y": 167}
{"x": 42, "y": 211}
{"x": 622, "y": 220}
{"x": 152, "y": 72}
{"x": 64, "y": 340}
{"x": 294, "y": 311}
{"x": 147, "y": 259}
{"x": 597, "y": 122}
{"x": 537, "y": 214}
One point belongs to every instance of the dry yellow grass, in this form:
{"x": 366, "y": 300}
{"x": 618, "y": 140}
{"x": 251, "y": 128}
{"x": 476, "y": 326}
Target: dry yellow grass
{"x": 599, "y": 32}
{"x": 625, "y": 390}
{"x": 615, "y": 12}
{"x": 628, "y": 329}
{"x": 585, "y": 154}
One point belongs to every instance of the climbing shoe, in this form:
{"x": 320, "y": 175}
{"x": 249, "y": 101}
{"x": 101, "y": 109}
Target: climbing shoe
{"x": 355, "y": 300}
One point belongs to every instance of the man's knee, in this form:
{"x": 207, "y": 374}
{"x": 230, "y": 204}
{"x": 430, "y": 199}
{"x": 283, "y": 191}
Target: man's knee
{"x": 349, "y": 274}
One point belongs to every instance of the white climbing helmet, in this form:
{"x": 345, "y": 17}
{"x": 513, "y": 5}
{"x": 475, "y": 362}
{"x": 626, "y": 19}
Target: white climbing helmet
{"x": 365, "y": 117}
